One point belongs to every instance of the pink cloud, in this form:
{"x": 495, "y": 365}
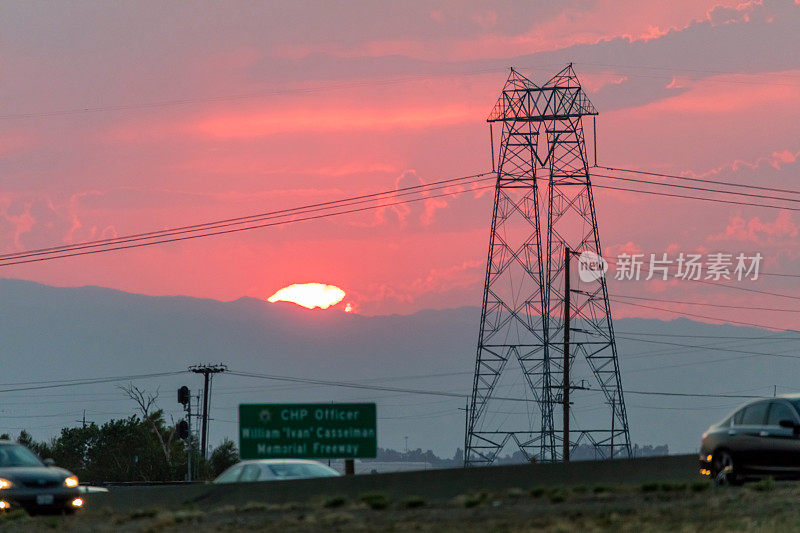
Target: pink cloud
{"x": 782, "y": 157}
{"x": 606, "y": 21}
{"x": 629, "y": 247}
{"x": 774, "y": 160}
{"x": 249, "y": 125}
{"x": 257, "y": 123}
{"x": 448, "y": 278}
{"x": 757, "y": 231}
{"x": 724, "y": 94}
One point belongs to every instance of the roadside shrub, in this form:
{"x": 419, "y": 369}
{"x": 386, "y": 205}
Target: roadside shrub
{"x": 598, "y": 489}
{"x": 700, "y": 486}
{"x": 375, "y": 500}
{"x": 143, "y": 513}
{"x": 254, "y": 507}
{"x": 334, "y": 502}
{"x": 765, "y": 485}
{"x": 51, "y": 521}
{"x": 649, "y": 487}
{"x": 515, "y": 493}
{"x": 557, "y": 495}
{"x": 186, "y": 515}
{"x": 473, "y": 500}
{"x": 413, "y": 502}
{"x": 537, "y": 492}
{"x": 673, "y": 487}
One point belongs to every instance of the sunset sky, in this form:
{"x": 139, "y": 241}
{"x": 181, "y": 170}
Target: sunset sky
{"x": 119, "y": 118}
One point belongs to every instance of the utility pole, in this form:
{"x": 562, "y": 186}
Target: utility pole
{"x": 208, "y": 371}
{"x": 83, "y": 420}
{"x": 189, "y": 440}
{"x": 565, "y": 393}
{"x": 613, "y": 416}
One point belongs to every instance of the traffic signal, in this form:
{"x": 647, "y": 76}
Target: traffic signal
{"x": 183, "y": 395}
{"x": 182, "y": 428}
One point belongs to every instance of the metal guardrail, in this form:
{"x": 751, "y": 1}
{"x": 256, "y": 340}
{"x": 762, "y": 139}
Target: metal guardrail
{"x": 141, "y": 483}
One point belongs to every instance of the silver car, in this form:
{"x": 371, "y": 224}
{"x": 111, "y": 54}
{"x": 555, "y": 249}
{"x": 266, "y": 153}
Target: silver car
{"x": 275, "y": 470}
{"x": 32, "y": 484}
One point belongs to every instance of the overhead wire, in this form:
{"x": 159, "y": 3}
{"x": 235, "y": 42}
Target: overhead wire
{"x": 335, "y": 204}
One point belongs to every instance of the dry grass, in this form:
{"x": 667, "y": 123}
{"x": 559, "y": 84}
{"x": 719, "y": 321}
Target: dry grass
{"x": 664, "y": 507}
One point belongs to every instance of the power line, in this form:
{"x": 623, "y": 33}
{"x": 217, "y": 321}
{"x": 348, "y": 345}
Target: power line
{"x": 671, "y": 352}
{"x": 714, "y": 348}
{"x": 344, "y": 202}
{"x": 701, "y": 316}
{"x": 706, "y": 79}
{"x": 684, "y": 394}
{"x": 745, "y": 289}
{"x": 696, "y": 188}
{"x": 679, "y": 69}
{"x": 726, "y": 337}
{"x": 114, "y": 247}
{"x": 700, "y": 180}
{"x": 706, "y": 304}
{"x": 34, "y": 385}
{"x": 352, "y": 385}
{"x": 156, "y": 104}
{"x": 346, "y": 384}
{"x": 243, "y": 96}
{"x": 689, "y": 197}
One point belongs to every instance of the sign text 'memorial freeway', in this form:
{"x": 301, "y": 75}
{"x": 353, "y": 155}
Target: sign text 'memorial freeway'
{"x": 307, "y": 430}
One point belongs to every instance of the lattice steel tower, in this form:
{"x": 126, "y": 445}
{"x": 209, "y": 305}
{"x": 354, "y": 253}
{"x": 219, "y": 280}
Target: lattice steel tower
{"x": 543, "y": 167}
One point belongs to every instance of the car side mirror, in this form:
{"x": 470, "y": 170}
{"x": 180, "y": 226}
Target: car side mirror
{"x": 788, "y": 424}
{"x": 49, "y": 462}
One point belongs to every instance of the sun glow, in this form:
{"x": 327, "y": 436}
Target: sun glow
{"x": 309, "y": 295}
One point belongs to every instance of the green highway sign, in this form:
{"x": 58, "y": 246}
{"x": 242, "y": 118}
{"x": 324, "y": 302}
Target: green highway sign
{"x": 307, "y": 431}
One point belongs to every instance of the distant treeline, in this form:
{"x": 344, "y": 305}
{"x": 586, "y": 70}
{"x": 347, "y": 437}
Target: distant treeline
{"x": 140, "y": 448}
{"x": 581, "y": 453}
{"x": 128, "y": 450}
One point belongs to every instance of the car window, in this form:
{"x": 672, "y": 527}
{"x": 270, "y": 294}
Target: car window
{"x": 251, "y": 473}
{"x": 756, "y": 414}
{"x": 17, "y": 455}
{"x": 739, "y": 416}
{"x": 301, "y": 470}
{"x": 230, "y": 475}
{"x": 779, "y": 411}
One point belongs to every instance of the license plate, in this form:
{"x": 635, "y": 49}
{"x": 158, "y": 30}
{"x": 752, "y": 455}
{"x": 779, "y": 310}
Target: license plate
{"x": 44, "y": 499}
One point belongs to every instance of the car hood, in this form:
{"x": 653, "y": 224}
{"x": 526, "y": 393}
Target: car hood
{"x": 48, "y": 473}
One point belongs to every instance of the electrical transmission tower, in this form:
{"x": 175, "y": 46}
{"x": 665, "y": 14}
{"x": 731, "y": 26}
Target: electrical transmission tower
{"x": 528, "y": 318}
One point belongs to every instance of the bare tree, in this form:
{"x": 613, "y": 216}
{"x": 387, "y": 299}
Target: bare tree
{"x": 146, "y": 403}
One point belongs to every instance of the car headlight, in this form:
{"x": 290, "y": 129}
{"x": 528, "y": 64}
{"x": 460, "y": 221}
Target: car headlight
{"x": 5, "y": 484}
{"x": 71, "y": 481}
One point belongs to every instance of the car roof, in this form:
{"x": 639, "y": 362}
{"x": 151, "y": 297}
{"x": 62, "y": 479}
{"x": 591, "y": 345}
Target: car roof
{"x": 278, "y": 461}
{"x": 791, "y": 396}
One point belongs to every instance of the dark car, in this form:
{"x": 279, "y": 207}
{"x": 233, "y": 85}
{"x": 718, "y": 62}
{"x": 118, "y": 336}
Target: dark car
{"x": 762, "y": 438}
{"x": 37, "y": 486}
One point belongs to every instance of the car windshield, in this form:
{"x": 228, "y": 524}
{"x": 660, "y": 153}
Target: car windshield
{"x": 302, "y": 470}
{"x": 17, "y": 455}
{"x": 230, "y": 475}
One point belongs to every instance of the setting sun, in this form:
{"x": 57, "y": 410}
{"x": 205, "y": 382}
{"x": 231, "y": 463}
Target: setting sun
{"x": 309, "y": 295}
